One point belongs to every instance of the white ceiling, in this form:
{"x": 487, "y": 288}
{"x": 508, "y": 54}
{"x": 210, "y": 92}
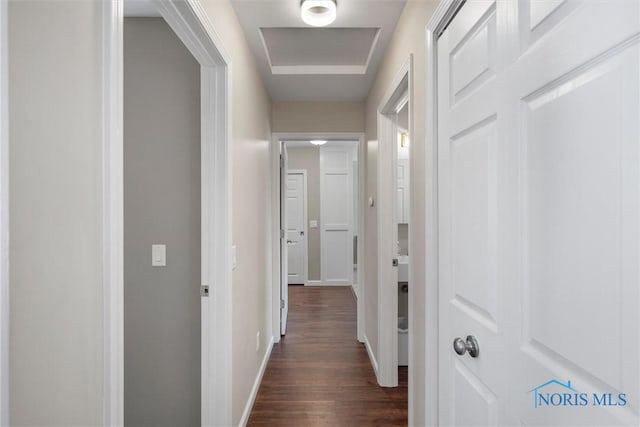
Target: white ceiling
{"x": 334, "y": 63}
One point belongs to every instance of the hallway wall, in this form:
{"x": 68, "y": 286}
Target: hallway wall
{"x": 56, "y": 335}
{"x": 57, "y": 330}
{"x": 299, "y": 116}
{"x": 161, "y": 206}
{"x": 409, "y": 38}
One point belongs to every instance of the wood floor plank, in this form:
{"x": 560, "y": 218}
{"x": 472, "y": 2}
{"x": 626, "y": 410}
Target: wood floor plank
{"x": 319, "y": 375}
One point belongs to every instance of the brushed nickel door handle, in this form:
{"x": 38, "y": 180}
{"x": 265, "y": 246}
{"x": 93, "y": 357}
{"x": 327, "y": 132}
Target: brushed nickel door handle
{"x": 470, "y": 345}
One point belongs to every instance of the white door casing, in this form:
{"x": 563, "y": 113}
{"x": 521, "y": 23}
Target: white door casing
{"x": 356, "y": 201}
{"x": 4, "y": 215}
{"x": 296, "y": 193}
{"x": 284, "y": 252}
{"x": 336, "y": 195}
{"x": 539, "y": 218}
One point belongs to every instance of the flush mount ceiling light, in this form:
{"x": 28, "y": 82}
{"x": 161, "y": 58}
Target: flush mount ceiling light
{"x": 318, "y": 142}
{"x": 318, "y": 13}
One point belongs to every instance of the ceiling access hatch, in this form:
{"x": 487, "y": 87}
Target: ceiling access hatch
{"x": 319, "y": 50}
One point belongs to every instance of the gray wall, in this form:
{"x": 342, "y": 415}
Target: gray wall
{"x": 162, "y": 205}
{"x": 56, "y": 335}
{"x": 309, "y": 159}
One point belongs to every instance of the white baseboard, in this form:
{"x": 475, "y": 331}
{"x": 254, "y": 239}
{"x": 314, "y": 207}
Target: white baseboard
{"x": 356, "y": 290}
{"x": 372, "y": 358}
{"x": 256, "y": 385}
{"x": 321, "y": 283}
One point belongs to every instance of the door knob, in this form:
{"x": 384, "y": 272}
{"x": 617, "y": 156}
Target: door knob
{"x": 471, "y": 345}
{"x": 289, "y": 242}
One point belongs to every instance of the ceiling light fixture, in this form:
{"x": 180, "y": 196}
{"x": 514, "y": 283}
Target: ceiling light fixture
{"x": 318, "y": 13}
{"x": 404, "y": 139}
{"x": 318, "y": 142}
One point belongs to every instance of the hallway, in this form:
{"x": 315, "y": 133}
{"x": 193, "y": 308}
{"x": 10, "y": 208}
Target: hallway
{"x": 319, "y": 374}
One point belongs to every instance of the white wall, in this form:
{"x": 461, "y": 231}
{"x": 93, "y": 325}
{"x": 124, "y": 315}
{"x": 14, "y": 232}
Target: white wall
{"x": 56, "y": 341}
{"x": 409, "y": 38}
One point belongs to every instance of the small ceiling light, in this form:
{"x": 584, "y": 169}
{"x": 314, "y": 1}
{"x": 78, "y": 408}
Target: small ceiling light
{"x": 318, "y": 142}
{"x": 318, "y": 13}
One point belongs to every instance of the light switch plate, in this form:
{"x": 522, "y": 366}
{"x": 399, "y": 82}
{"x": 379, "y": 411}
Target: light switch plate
{"x": 313, "y": 223}
{"x": 234, "y": 257}
{"x": 158, "y": 255}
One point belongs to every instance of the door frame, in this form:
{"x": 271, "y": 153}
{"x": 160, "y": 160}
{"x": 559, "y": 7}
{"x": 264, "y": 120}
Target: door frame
{"x": 442, "y": 16}
{"x": 396, "y": 94}
{"x": 305, "y": 218}
{"x": 191, "y": 24}
{"x": 274, "y": 149}
{"x": 4, "y": 215}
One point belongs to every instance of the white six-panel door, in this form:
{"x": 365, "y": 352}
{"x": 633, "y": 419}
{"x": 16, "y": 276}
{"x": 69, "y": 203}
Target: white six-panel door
{"x": 539, "y": 219}
{"x": 296, "y": 222}
{"x": 468, "y": 124}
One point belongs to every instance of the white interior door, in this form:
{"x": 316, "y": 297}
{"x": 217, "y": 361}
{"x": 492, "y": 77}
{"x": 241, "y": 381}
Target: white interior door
{"x": 284, "y": 252}
{"x": 336, "y": 205}
{"x": 296, "y": 189}
{"x": 471, "y": 389}
{"x": 539, "y": 219}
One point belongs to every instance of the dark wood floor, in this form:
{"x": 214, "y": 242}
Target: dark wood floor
{"x": 319, "y": 374}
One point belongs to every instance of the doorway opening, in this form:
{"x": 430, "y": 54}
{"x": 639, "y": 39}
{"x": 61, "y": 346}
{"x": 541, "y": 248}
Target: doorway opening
{"x": 162, "y": 226}
{"x": 317, "y": 217}
{"x": 395, "y": 306}
{"x": 192, "y": 27}
{"x": 403, "y": 192}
